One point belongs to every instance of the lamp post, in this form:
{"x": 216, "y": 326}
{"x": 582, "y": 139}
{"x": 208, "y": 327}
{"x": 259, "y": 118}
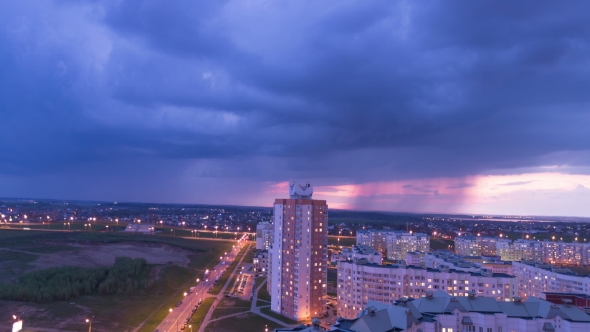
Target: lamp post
{"x": 17, "y": 320}
{"x": 89, "y": 321}
{"x": 107, "y": 228}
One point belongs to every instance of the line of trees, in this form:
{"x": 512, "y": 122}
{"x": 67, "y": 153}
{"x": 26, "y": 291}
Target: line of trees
{"x": 126, "y": 276}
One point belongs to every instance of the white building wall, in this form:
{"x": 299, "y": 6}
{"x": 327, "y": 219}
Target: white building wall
{"x": 359, "y": 283}
{"x": 275, "y": 260}
{"x": 533, "y": 280}
{"x": 303, "y": 270}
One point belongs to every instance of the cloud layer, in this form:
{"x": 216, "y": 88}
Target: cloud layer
{"x": 185, "y": 100}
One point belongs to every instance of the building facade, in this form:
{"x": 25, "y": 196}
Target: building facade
{"x": 536, "y": 278}
{"x": 264, "y": 235}
{"x": 359, "y": 283}
{"x": 441, "y": 312}
{"x": 260, "y": 263}
{"x": 569, "y": 253}
{"x": 395, "y": 244}
{"x": 358, "y": 252}
{"x": 400, "y": 243}
{"x": 299, "y": 254}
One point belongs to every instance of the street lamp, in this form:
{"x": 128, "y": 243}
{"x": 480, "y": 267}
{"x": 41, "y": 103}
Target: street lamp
{"x": 89, "y": 321}
{"x": 18, "y": 321}
{"x": 107, "y": 228}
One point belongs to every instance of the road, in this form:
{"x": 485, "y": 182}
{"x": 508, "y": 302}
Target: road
{"x": 175, "y": 319}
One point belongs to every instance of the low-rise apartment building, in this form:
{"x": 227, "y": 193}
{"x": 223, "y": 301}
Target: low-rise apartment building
{"x": 447, "y": 259}
{"x": 358, "y": 252}
{"x": 536, "y": 278}
{"x": 394, "y": 243}
{"x": 360, "y": 282}
{"x": 260, "y": 263}
{"x": 442, "y": 312}
{"x": 572, "y": 253}
{"x": 264, "y": 235}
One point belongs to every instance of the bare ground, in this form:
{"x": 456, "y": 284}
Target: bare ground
{"x": 104, "y": 255}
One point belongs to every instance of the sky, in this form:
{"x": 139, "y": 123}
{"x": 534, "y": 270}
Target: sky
{"x": 412, "y": 106}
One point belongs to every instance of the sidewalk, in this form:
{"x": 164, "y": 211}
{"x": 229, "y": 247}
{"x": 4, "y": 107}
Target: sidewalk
{"x": 257, "y": 311}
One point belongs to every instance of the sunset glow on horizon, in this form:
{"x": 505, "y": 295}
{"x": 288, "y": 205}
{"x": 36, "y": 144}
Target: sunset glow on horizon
{"x": 520, "y": 193}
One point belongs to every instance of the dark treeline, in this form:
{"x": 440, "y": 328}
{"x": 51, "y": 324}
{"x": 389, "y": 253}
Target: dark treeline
{"x": 126, "y": 276}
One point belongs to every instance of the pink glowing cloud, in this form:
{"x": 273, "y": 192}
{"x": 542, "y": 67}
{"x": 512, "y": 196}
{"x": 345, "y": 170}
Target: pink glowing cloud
{"x": 531, "y": 193}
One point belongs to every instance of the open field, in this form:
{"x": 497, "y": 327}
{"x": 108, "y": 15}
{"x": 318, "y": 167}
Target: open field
{"x": 229, "y": 306}
{"x": 246, "y": 322}
{"x": 268, "y": 311}
{"x": 263, "y": 293}
{"x": 443, "y": 244}
{"x": 261, "y": 303}
{"x": 249, "y": 255}
{"x": 345, "y": 241}
{"x": 109, "y": 227}
{"x": 174, "y": 262}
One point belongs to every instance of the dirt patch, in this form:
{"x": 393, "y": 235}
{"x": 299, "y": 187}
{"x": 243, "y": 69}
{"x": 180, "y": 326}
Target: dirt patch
{"x": 104, "y": 255}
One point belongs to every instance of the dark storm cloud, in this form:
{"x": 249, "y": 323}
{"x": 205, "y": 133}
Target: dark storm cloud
{"x": 356, "y": 91}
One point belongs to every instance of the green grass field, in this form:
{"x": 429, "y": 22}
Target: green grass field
{"x": 112, "y": 313}
{"x": 263, "y": 293}
{"x": 441, "y": 244}
{"x": 261, "y": 303}
{"x": 273, "y": 314}
{"x": 229, "y": 306}
{"x": 249, "y": 255}
{"x": 199, "y": 316}
{"x": 246, "y": 322}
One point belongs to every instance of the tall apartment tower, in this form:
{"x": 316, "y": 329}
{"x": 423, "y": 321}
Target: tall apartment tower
{"x": 299, "y": 254}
